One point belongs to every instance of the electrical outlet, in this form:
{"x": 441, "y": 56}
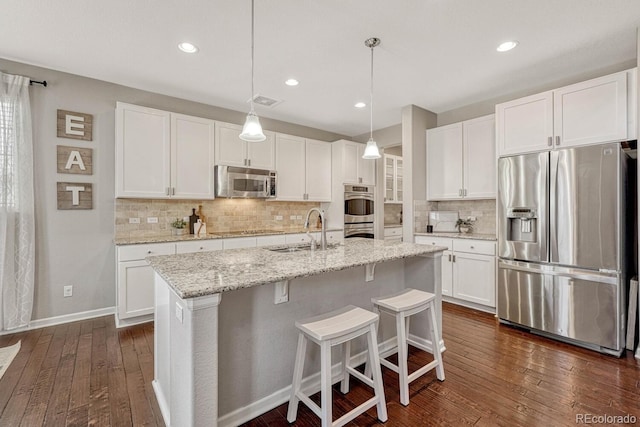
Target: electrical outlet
{"x": 292, "y": 217}
{"x": 152, "y": 220}
{"x": 299, "y": 217}
{"x": 68, "y": 291}
{"x": 278, "y": 217}
{"x": 134, "y": 220}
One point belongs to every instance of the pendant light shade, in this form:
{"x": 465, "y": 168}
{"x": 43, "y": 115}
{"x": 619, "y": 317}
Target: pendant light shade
{"x": 252, "y": 131}
{"x": 371, "y": 151}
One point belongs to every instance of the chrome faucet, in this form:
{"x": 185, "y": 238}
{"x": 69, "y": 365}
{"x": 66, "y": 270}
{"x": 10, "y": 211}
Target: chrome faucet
{"x": 323, "y": 232}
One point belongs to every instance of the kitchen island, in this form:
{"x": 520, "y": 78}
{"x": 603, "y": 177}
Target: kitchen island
{"x": 225, "y": 337}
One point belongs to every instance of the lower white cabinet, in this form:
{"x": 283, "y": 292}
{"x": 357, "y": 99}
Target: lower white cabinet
{"x": 468, "y": 269}
{"x": 134, "y": 287}
{"x": 393, "y": 234}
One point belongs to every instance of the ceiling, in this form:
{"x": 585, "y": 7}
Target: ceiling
{"x": 437, "y": 54}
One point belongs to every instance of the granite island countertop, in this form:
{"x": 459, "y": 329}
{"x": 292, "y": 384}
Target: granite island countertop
{"x": 454, "y": 235}
{"x": 205, "y": 273}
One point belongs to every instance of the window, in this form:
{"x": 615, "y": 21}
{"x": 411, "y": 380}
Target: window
{"x": 7, "y": 155}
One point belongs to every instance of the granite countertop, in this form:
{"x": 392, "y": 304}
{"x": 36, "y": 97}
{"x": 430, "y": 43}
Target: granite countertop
{"x": 475, "y": 236}
{"x": 165, "y": 237}
{"x": 205, "y": 273}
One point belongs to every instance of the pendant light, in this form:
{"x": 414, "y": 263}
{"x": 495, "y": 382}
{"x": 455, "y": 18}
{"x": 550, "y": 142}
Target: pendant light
{"x": 252, "y": 131}
{"x": 371, "y": 150}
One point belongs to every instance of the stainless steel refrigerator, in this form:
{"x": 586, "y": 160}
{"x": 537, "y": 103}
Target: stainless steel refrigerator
{"x": 562, "y": 244}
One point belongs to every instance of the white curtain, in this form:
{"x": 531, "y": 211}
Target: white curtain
{"x": 17, "y": 219}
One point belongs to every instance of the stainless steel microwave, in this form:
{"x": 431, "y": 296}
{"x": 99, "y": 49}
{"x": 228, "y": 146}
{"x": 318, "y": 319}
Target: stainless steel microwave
{"x": 231, "y": 181}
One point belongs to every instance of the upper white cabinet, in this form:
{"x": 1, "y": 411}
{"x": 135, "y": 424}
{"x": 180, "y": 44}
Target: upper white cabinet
{"x": 304, "y": 169}
{"x": 595, "y": 111}
{"x": 353, "y": 168}
{"x": 461, "y": 160}
{"x": 163, "y": 155}
{"x": 232, "y": 151}
{"x": 392, "y": 178}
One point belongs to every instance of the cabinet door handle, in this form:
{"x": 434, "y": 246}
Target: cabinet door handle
{"x": 173, "y": 191}
{"x": 454, "y": 258}
{"x": 557, "y": 139}
{"x": 449, "y": 257}
{"x": 168, "y": 191}
{"x": 248, "y": 162}
{"x": 550, "y": 141}
{"x": 359, "y": 180}
{"x": 464, "y": 192}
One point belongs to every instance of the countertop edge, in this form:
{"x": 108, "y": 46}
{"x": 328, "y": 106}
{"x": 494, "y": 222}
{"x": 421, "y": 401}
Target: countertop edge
{"x": 472, "y": 236}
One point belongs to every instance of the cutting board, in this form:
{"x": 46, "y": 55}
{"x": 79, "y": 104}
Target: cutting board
{"x": 443, "y": 221}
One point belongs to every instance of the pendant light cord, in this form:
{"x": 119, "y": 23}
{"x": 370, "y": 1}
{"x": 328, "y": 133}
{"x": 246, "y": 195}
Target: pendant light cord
{"x": 252, "y": 41}
{"x": 371, "y": 93}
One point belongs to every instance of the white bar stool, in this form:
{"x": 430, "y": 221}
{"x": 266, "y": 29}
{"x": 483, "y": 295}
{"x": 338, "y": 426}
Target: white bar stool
{"x": 402, "y": 305}
{"x": 328, "y": 330}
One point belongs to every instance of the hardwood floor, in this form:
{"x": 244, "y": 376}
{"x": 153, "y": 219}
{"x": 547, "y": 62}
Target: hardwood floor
{"x": 89, "y": 373}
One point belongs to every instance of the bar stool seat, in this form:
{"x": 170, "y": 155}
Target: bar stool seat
{"x": 402, "y": 305}
{"x": 327, "y": 330}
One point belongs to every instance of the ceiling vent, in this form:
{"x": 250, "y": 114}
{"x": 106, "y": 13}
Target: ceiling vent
{"x": 265, "y": 101}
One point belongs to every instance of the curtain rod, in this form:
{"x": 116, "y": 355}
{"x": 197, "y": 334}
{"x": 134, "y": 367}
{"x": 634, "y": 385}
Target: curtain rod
{"x": 35, "y": 82}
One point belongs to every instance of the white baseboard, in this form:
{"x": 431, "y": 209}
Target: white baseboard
{"x": 310, "y": 385}
{"x": 122, "y": 323}
{"x": 162, "y": 402}
{"x": 65, "y": 318}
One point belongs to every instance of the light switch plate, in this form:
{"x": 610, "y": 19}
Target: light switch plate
{"x": 152, "y": 220}
{"x": 134, "y": 220}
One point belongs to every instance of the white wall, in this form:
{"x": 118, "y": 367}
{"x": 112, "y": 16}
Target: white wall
{"x": 76, "y": 247}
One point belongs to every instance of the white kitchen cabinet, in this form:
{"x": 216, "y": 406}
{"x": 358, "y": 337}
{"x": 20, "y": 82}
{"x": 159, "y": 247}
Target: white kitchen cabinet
{"x": 392, "y": 178}
{"x": 304, "y": 169}
{"x": 163, "y": 155}
{"x": 468, "y": 269}
{"x": 232, "y": 151}
{"x": 135, "y": 282}
{"x": 461, "y": 160}
{"x": 352, "y": 168}
{"x": 393, "y": 234}
{"x": 595, "y": 111}
{"x": 277, "y": 239}
{"x": 204, "y": 245}
{"x": 239, "y": 242}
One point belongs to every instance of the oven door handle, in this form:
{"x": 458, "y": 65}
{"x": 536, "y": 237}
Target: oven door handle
{"x": 348, "y": 197}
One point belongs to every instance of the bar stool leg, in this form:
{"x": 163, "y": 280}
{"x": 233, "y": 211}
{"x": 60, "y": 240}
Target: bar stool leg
{"x": 374, "y": 362}
{"x": 367, "y": 365}
{"x": 403, "y": 370}
{"x": 407, "y": 321}
{"x": 344, "y": 385}
{"x": 325, "y": 384}
{"x": 435, "y": 343}
{"x": 292, "y": 412}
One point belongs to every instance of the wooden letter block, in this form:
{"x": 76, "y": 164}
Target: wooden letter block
{"x": 75, "y": 195}
{"x": 75, "y": 160}
{"x": 75, "y": 125}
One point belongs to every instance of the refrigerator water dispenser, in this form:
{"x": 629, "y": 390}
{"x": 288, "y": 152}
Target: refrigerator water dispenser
{"x": 522, "y": 225}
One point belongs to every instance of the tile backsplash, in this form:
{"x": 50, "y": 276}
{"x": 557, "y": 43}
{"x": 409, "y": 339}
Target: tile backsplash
{"x": 221, "y": 215}
{"x": 483, "y": 210}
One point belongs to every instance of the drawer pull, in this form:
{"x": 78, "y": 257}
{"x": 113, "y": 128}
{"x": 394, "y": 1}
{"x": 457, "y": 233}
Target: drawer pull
{"x": 149, "y": 252}
{"x": 201, "y": 248}
{"x": 471, "y": 247}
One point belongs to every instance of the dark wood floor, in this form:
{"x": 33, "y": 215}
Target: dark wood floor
{"x": 89, "y": 373}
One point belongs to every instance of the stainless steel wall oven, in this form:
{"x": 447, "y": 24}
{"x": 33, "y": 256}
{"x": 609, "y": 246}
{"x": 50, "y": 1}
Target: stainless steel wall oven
{"x": 358, "y": 211}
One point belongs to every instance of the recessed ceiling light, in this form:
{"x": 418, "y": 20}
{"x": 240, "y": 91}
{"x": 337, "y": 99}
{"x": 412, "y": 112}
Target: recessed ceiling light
{"x": 507, "y": 46}
{"x": 291, "y": 82}
{"x": 360, "y": 105}
{"x": 187, "y": 47}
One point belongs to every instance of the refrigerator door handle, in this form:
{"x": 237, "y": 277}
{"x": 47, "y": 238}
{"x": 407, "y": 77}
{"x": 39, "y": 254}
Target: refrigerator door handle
{"x": 553, "y": 206}
{"x": 572, "y": 273}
